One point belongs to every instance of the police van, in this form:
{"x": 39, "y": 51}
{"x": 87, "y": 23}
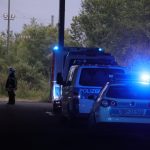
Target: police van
{"x": 82, "y": 87}
{"x": 62, "y": 61}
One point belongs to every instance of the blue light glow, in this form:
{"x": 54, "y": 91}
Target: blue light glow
{"x": 56, "y": 48}
{"x": 145, "y": 78}
{"x": 101, "y": 49}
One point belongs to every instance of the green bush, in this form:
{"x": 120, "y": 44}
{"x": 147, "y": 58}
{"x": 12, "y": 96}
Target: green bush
{"x": 3, "y": 79}
{"x": 25, "y": 91}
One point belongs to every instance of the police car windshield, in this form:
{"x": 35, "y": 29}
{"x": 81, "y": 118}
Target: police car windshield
{"x": 139, "y": 91}
{"x": 97, "y": 76}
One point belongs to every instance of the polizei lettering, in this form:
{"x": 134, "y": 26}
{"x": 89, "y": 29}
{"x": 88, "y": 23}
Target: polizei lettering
{"x": 92, "y": 91}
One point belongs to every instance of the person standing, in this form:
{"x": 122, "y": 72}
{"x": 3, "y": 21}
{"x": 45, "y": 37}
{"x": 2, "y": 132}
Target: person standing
{"x": 11, "y": 85}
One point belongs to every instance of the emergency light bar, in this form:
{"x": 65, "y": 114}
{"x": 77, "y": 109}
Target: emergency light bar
{"x": 132, "y": 77}
{"x": 83, "y": 49}
{"x": 145, "y": 77}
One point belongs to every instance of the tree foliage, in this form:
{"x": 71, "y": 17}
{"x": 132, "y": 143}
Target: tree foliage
{"x": 120, "y": 26}
{"x": 29, "y": 53}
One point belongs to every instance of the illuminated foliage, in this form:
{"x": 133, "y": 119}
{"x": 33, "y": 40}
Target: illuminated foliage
{"x": 120, "y": 26}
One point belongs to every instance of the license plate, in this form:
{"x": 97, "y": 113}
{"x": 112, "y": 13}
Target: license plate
{"x": 127, "y": 112}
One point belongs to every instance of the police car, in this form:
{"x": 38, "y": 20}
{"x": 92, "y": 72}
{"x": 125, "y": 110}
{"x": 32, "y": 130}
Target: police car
{"x": 61, "y": 61}
{"x": 84, "y": 82}
{"x": 123, "y": 102}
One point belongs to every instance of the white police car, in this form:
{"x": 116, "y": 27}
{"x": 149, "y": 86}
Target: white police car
{"x": 83, "y": 85}
{"x": 122, "y": 102}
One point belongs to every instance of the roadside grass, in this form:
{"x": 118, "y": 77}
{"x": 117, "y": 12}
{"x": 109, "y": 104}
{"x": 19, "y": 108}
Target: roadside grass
{"x": 26, "y": 93}
{"x": 27, "y": 90}
{"x": 37, "y": 95}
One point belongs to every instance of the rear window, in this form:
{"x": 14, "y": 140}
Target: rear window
{"x": 96, "y": 76}
{"x": 129, "y": 92}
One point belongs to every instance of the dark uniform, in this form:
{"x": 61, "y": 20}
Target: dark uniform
{"x": 11, "y": 86}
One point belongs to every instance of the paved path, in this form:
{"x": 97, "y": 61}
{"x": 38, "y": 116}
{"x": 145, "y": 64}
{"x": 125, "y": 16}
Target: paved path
{"x": 32, "y": 125}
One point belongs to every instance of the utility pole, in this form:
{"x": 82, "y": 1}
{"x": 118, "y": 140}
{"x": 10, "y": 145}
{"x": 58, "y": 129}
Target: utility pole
{"x": 8, "y": 26}
{"x": 7, "y": 16}
{"x": 61, "y": 24}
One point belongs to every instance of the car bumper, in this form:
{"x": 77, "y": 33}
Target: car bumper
{"x": 85, "y": 106}
{"x": 133, "y": 120}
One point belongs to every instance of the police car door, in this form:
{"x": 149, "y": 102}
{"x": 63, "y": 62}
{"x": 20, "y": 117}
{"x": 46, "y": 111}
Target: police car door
{"x": 68, "y": 89}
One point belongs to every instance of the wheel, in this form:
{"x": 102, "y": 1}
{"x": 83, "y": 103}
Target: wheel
{"x": 92, "y": 120}
{"x": 68, "y": 112}
{"x": 57, "y": 108}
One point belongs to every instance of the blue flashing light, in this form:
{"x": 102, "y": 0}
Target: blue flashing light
{"x": 56, "y": 48}
{"x": 145, "y": 78}
{"x": 101, "y": 49}
{"x": 145, "y": 83}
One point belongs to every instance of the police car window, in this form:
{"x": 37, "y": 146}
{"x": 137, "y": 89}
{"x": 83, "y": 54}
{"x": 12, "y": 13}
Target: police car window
{"x": 129, "y": 92}
{"x": 96, "y": 76}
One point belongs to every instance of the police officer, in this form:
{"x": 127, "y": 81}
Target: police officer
{"x": 11, "y": 85}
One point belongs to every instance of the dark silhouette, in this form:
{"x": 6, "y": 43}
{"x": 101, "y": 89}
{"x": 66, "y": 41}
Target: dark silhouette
{"x": 11, "y": 85}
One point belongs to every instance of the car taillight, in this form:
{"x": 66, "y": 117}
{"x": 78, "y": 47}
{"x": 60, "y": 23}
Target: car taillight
{"x": 104, "y": 103}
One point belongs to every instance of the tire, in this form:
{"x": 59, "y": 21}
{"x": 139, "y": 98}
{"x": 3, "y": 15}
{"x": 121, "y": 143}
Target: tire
{"x": 91, "y": 121}
{"x": 56, "y": 108}
{"x": 70, "y": 113}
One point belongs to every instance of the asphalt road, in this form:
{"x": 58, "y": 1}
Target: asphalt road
{"x": 28, "y": 125}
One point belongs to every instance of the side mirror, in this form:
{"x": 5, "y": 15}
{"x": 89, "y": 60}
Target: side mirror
{"x": 59, "y": 79}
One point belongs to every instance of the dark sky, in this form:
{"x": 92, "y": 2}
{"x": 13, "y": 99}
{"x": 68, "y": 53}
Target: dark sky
{"x": 24, "y": 10}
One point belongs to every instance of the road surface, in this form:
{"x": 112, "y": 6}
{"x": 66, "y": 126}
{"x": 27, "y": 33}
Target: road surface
{"x": 32, "y": 125}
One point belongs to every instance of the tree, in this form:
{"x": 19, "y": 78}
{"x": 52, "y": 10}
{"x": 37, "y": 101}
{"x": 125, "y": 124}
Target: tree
{"x": 120, "y": 26}
{"x": 29, "y": 54}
